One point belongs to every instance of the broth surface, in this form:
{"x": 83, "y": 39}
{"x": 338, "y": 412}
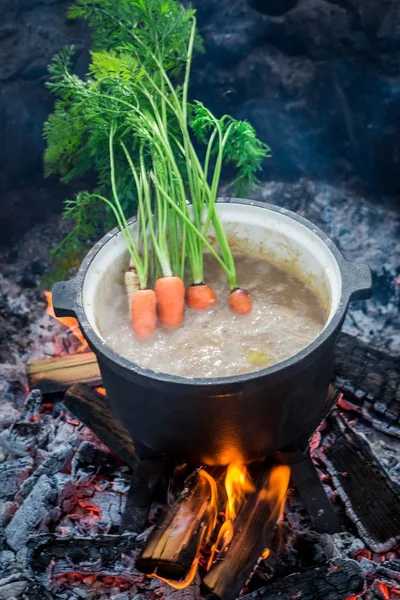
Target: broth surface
{"x": 286, "y": 317}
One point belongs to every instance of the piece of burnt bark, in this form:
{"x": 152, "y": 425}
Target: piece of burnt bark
{"x": 370, "y": 497}
{"x": 95, "y": 412}
{"x": 339, "y": 580}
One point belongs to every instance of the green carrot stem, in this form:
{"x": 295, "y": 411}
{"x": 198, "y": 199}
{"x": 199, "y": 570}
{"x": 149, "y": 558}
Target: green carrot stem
{"x": 231, "y": 277}
{"x": 161, "y": 255}
{"x": 142, "y": 212}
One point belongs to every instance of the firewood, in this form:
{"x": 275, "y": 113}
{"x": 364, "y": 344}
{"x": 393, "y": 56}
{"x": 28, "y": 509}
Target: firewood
{"x": 51, "y": 556}
{"x": 370, "y": 497}
{"x": 338, "y": 580}
{"x": 253, "y": 531}
{"x": 174, "y": 543}
{"x": 95, "y": 412}
{"x": 57, "y": 374}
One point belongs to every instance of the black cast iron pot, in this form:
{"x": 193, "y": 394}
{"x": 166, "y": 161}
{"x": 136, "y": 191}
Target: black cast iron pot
{"x": 207, "y": 421}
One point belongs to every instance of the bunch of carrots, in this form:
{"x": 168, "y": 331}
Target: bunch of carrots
{"x": 129, "y": 121}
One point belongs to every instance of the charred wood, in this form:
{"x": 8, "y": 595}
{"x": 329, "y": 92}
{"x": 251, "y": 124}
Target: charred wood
{"x": 140, "y": 496}
{"x": 32, "y": 406}
{"x": 23, "y": 439}
{"x": 57, "y": 374}
{"x": 12, "y": 475}
{"x": 339, "y": 580}
{"x": 253, "y": 532}
{"x": 175, "y": 542}
{"x": 95, "y": 412}
{"x": 114, "y": 555}
{"x": 370, "y": 379}
{"x": 370, "y": 497}
{"x": 89, "y": 460}
{"x": 52, "y": 465}
{"x": 48, "y": 499}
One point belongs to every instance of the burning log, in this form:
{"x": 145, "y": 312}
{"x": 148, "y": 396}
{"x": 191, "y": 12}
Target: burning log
{"x": 371, "y": 499}
{"x": 253, "y": 531}
{"x": 339, "y": 580}
{"x": 173, "y": 546}
{"x": 95, "y": 412}
{"x": 57, "y": 374}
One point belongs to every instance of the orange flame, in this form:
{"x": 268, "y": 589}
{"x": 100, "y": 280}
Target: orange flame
{"x": 237, "y": 485}
{"x": 69, "y": 322}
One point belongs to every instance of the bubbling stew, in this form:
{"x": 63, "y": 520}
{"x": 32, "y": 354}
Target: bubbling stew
{"x": 287, "y": 316}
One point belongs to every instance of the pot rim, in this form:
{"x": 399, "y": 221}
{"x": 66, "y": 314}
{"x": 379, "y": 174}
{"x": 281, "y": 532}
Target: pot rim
{"x": 355, "y": 279}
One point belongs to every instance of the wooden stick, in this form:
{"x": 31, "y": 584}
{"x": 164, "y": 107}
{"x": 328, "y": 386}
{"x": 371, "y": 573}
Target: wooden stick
{"x": 95, "y": 412}
{"x": 174, "y": 543}
{"x": 57, "y": 374}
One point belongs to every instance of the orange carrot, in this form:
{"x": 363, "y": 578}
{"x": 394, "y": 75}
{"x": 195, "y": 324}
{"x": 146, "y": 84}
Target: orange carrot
{"x": 170, "y": 292}
{"x": 144, "y": 313}
{"x": 200, "y": 296}
{"x": 240, "y": 301}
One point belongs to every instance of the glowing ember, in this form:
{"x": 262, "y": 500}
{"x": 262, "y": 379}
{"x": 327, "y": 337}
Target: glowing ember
{"x": 383, "y": 588}
{"x": 69, "y": 322}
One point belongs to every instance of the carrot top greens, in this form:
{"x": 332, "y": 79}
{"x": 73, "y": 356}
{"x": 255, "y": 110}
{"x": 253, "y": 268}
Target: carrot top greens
{"x": 130, "y": 122}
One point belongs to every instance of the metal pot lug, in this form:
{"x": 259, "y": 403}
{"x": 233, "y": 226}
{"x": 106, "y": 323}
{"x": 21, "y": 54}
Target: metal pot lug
{"x": 359, "y": 281}
{"x": 64, "y": 295}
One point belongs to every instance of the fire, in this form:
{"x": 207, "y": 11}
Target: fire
{"x": 237, "y": 485}
{"x": 69, "y": 322}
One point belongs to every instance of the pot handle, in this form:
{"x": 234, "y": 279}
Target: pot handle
{"x": 64, "y": 296}
{"x": 359, "y": 279}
